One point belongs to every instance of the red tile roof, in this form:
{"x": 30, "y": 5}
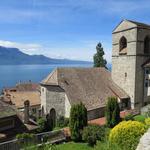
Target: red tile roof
{"x": 102, "y": 121}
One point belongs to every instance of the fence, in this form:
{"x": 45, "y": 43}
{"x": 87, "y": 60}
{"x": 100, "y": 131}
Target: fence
{"x": 52, "y": 137}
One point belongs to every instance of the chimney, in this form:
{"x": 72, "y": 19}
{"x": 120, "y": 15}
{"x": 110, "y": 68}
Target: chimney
{"x": 26, "y": 111}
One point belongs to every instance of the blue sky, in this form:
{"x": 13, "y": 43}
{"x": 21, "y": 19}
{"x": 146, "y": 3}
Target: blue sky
{"x": 66, "y": 28}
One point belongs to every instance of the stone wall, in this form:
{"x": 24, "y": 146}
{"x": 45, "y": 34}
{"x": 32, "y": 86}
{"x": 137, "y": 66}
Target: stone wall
{"x": 96, "y": 113}
{"x": 144, "y": 143}
{"x": 55, "y": 97}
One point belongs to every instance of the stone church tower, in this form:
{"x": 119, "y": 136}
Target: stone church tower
{"x": 130, "y": 60}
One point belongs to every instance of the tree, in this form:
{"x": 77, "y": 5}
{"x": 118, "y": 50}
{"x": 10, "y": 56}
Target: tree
{"x": 99, "y": 61}
{"x": 112, "y": 112}
{"x": 78, "y": 120}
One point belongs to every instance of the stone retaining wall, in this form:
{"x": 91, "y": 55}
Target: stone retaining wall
{"x": 144, "y": 143}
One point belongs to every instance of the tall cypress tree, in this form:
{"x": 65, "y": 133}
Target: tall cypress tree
{"x": 99, "y": 61}
{"x": 78, "y": 120}
{"x": 112, "y": 112}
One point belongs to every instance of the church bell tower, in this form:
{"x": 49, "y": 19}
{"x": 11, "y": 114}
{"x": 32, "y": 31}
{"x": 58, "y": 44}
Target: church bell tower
{"x": 130, "y": 52}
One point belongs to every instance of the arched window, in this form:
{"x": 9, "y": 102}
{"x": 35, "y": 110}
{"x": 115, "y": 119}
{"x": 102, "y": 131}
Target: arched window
{"x": 123, "y": 45}
{"x": 147, "y": 45}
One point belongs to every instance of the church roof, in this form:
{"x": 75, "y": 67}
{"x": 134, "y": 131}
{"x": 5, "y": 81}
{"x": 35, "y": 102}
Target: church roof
{"x": 129, "y": 24}
{"x": 139, "y": 24}
{"x": 91, "y": 86}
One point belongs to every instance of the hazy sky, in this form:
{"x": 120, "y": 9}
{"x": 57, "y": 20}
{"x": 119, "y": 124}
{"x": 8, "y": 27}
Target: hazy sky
{"x": 66, "y": 28}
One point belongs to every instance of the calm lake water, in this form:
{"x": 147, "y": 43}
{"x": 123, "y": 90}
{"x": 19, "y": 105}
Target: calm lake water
{"x": 12, "y": 74}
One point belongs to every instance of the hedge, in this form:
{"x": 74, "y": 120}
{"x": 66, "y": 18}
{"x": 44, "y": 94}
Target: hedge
{"x": 127, "y": 134}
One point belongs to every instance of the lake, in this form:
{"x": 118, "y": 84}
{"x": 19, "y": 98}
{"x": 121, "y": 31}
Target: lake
{"x": 12, "y": 74}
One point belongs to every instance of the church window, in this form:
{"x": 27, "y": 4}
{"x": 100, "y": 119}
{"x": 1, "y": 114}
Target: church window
{"x": 147, "y": 71}
{"x": 123, "y": 45}
{"x": 146, "y": 84}
{"x": 147, "y": 45}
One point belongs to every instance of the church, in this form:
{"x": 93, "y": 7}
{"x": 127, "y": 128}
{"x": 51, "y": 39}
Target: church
{"x": 129, "y": 79}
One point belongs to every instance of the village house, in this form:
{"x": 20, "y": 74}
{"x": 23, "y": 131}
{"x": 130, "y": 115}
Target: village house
{"x": 17, "y": 95}
{"x": 91, "y": 86}
{"x": 10, "y": 123}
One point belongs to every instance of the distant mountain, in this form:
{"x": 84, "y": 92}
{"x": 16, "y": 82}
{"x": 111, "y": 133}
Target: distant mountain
{"x": 13, "y": 56}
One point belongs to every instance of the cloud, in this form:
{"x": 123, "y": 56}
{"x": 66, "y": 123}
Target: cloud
{"x": 29, "y": 48}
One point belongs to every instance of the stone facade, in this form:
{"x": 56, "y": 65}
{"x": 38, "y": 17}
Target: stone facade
{"x": 127, "y": 71}
{"x": 53, "y": 97}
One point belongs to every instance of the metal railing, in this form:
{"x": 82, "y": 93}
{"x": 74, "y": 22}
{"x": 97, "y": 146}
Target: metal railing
{"x": 52, "y": 137}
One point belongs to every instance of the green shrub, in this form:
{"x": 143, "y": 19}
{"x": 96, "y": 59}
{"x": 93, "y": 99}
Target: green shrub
{"x": 41, "y": 124}
{"x": 147, "y": 122}
{"x": 140, "y": 118}
{"x": 129, "y": 117}
{"x": 92, "y": 133}
{"x": 25, "y": 139}
{"x": 112, "y": 112}
{"x": 44, "y": 125}
{"x": 78, "y": 120}
{"x": 62, "y": 122}
{"x": 25, "y": 136}
{"x": 127, "y": 134}
{"x": 45, "y": 138}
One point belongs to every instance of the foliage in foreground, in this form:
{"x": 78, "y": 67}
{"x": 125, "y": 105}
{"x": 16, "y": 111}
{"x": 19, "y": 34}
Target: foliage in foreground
{"x": 129, "y": 117}
{"x": 78, "y": 120}
{"x": 41, "y": 147}
{"x": 127, "y": 134}
{"x": 139, "y": 118}
{"x": 112, "y": 112}
{"x": 25, "y": 139}
{"x": 147, "y": 122}
{"x": 92, "y": 133}
{"x": 62, "y": 122}
{"x": 44, "y": 125}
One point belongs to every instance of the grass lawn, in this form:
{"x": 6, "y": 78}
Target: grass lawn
{"x": 84, "y": 146}
{"x": 74, "y": 146}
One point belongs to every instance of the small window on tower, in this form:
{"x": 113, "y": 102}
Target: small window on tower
{"x": 123, "y": 46}
{"x": 147, "y": 45}
{"x": 146, "y": 84}
{"x": 147, "y": 71}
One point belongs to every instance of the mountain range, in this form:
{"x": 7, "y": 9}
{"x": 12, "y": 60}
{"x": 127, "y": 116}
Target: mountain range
{"x": 13, "y": 56}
